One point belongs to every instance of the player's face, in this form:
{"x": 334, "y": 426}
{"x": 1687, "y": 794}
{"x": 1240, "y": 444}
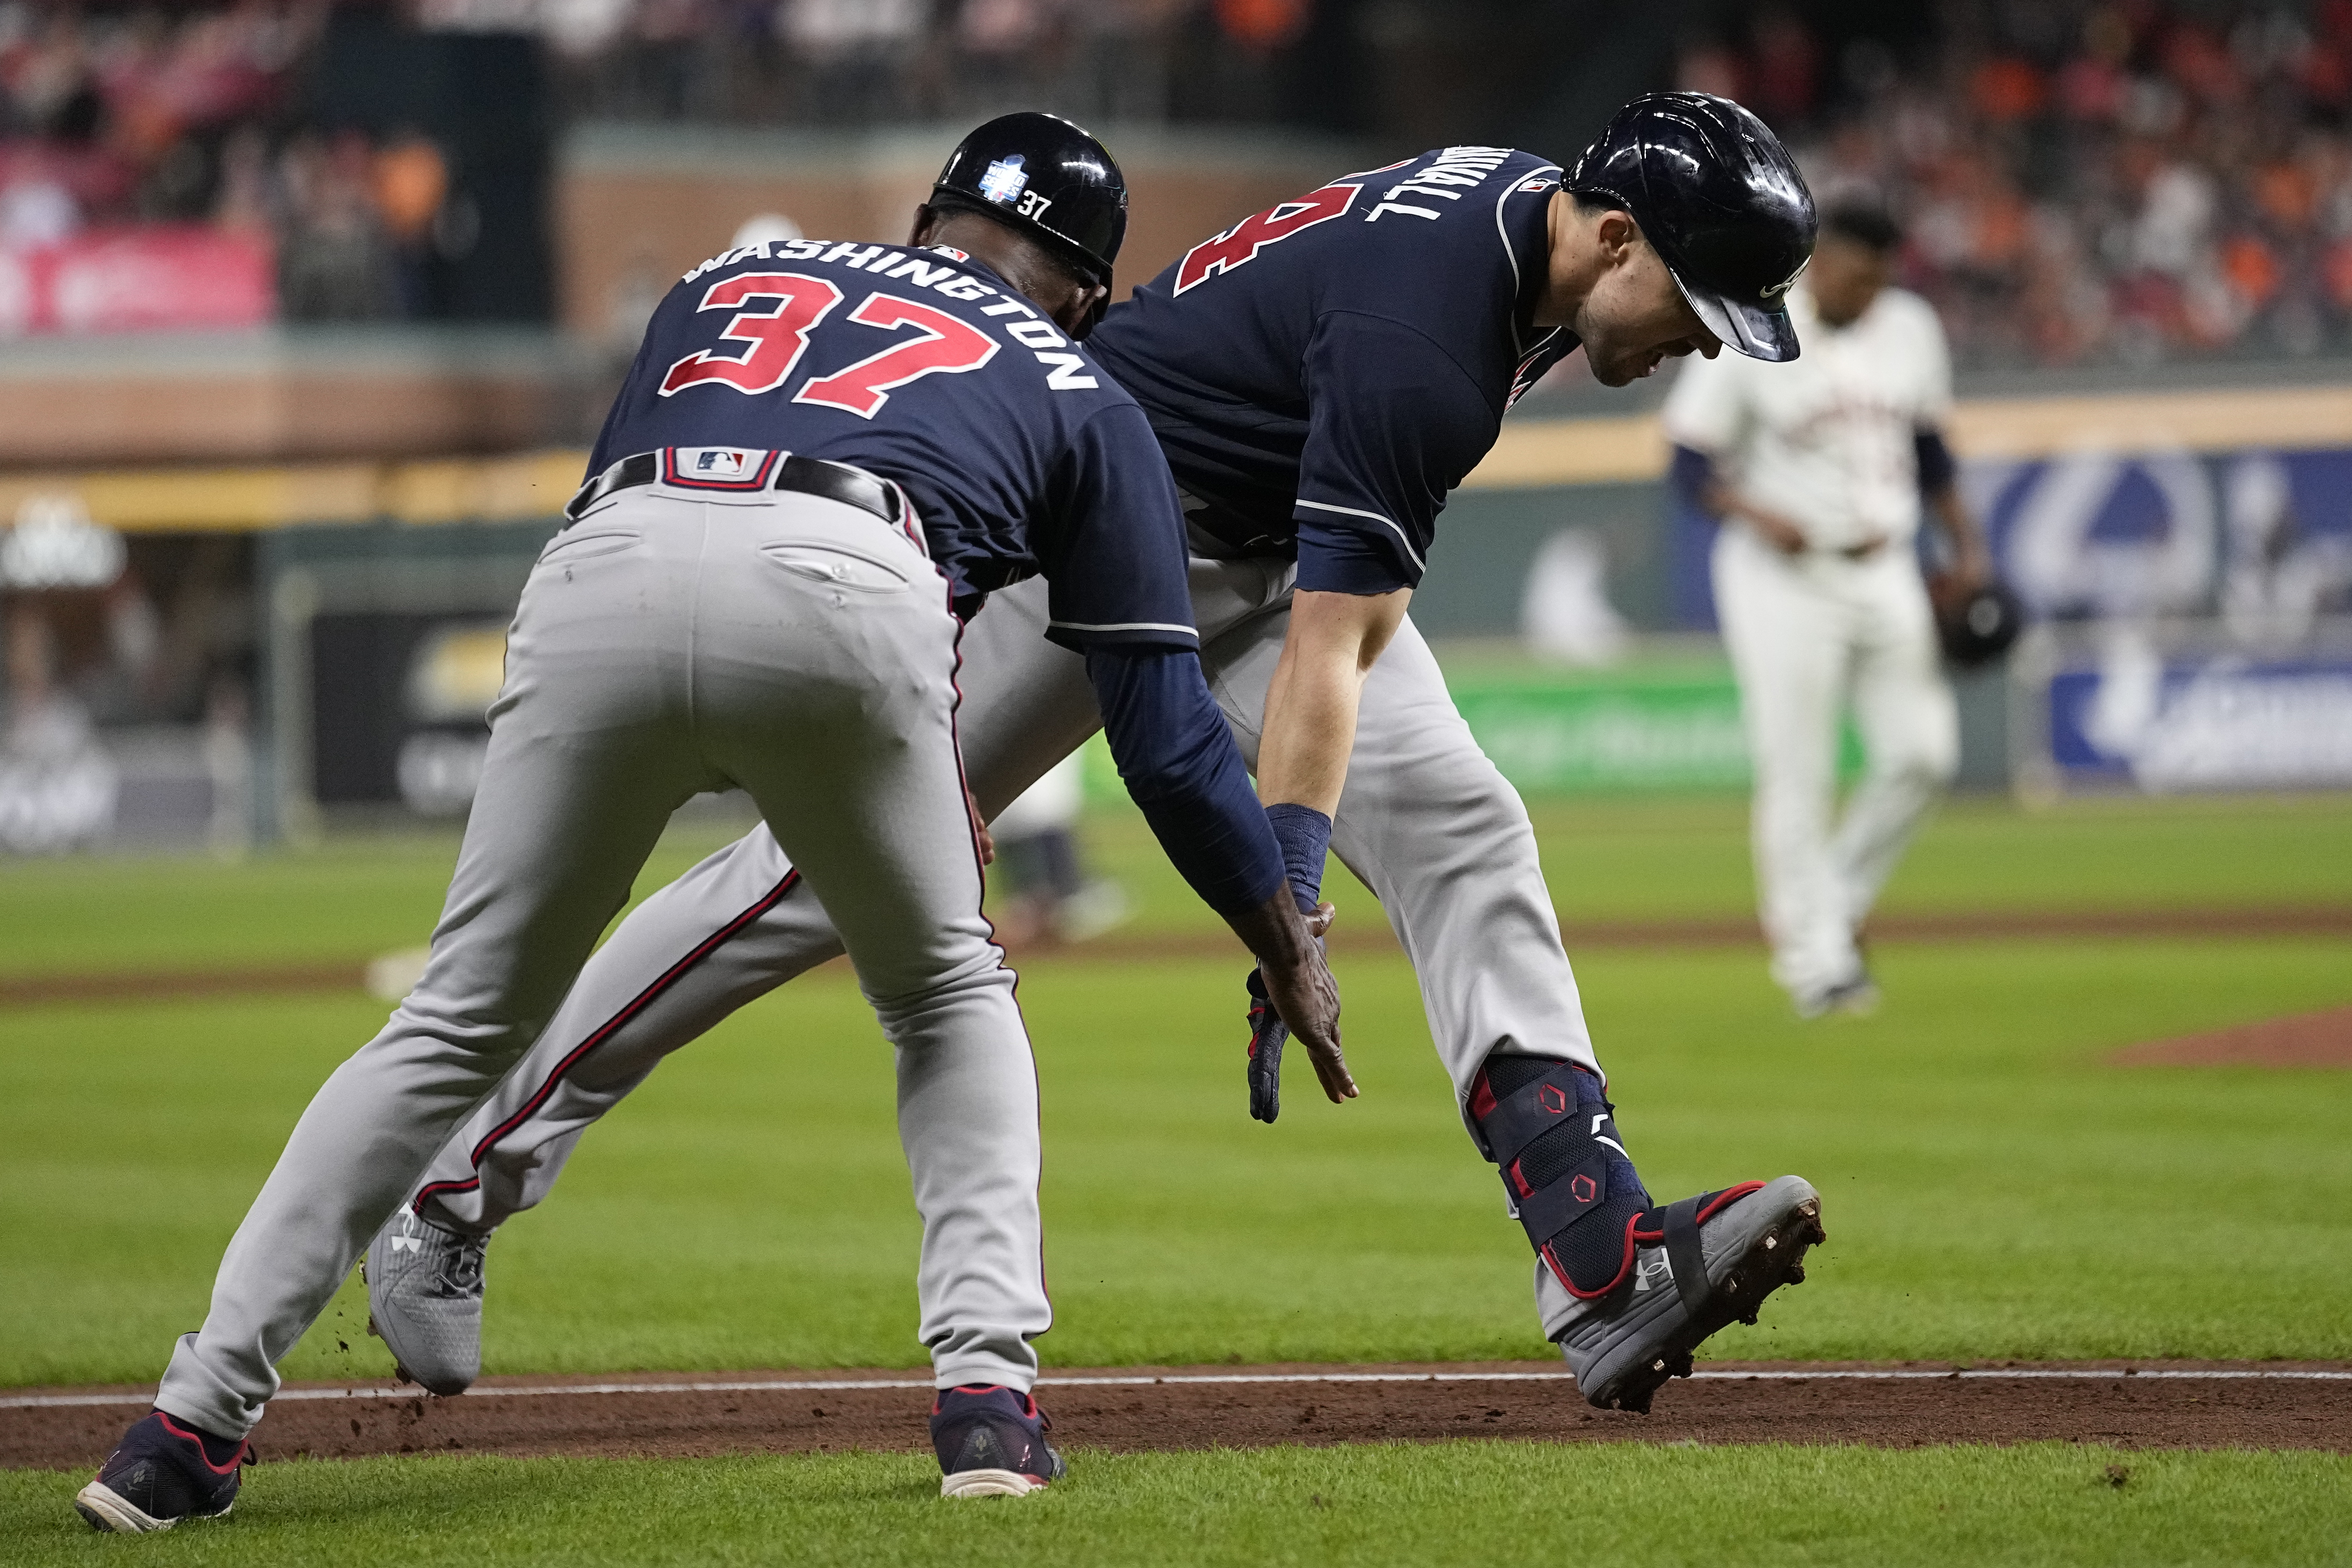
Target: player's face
{"x": 1634, "y": 320}
{"x": 1846, "y": 277}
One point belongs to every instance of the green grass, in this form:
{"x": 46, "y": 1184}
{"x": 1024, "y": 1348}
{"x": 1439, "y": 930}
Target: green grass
{"x": 1471, "y": 1504}
{"x": 1992, "y": 1188}
{"x": 1675, "y": 856}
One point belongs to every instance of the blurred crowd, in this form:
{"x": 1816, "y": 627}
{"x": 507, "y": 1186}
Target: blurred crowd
{"x": 189, "y": 116}
{"x": 856, "y": 62}
{"x": 2086, "y": 182}
{"x": 2082, "y": 181}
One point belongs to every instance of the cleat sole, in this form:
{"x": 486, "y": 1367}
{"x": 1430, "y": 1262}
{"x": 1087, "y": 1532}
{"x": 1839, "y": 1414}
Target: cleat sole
{"x": 989, "y": 1483}
{"x": 107, "y": 1512}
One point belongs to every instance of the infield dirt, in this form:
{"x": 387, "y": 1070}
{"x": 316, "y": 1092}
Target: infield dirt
{"x": 1729, "y": 1405}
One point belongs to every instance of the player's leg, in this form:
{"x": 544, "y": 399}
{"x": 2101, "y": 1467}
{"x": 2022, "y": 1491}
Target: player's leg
{"x": 1442, "y": 839}
{"x": 1787, "y": 642}
{"x": 584, "y": 766}
{"x": 864, "y": 788}
{"x": 1910, "y": 732}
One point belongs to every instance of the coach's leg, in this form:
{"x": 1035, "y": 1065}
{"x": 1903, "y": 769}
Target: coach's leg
{"x": 582, "y": 771}
{"x": 732, "y": 929}
{"x": 1788, "y": 647}
{"x": 864, "y": 787}
{"x": 1910, "y": 732}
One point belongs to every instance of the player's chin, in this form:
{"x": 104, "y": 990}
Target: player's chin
{"x": 1626, "y": 369}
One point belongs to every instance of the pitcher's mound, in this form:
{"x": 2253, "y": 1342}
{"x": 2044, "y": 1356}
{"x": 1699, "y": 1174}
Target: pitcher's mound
{"x": 2321, "y": 1039}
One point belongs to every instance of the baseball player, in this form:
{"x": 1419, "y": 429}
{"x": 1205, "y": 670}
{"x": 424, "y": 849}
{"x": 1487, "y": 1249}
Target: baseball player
{"x": 1818, "y": 470}
{"x": 1320, "y": 376}
{"x": 824, "y": 459}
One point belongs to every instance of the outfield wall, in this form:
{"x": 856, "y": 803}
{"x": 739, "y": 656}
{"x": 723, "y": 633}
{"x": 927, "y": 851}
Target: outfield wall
{"x": 2190, "y": 554}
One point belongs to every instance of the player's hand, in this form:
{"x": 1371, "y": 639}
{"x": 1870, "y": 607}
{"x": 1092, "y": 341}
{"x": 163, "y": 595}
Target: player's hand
{"x": 1301, "y": 999}
{"x": 1776, "y": 530}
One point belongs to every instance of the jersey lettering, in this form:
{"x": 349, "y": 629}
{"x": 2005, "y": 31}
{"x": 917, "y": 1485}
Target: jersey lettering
{"x": 777, "y": 333}
{"x": 949, "y": 345}
{"x": 1067, "y": 373}
{"x": 1240, "y": 244}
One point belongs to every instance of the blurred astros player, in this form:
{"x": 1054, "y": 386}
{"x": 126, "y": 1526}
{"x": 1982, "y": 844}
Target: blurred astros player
{"x": 1320, "y": 376}
{"x": 825, "y": 458}
{"x": 1818, "y": 470}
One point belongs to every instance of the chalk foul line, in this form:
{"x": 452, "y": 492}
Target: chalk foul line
{"x": 778, "y": 1386}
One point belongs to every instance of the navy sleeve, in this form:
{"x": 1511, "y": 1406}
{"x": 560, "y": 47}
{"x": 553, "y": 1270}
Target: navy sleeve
{"x": 1937, "y": 468}
{"x": 1690, "y": 476}
{"x": 1178, "y": 758}
{"x": 1113, "y": 551}
{"x": 1393, "y": 424}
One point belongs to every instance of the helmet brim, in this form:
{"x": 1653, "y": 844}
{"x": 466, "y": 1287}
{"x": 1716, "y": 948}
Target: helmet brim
{"x": 1751, "y": 330}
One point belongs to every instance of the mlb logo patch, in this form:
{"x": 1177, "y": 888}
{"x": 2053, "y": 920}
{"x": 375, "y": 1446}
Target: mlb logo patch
{"x": 719, "y": 467}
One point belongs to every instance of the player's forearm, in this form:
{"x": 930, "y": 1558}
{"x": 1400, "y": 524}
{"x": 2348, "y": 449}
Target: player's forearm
{"x": 1310, "y": 711}
{"x": 1970, "y": 554}
{"x": 1180, "y": 766}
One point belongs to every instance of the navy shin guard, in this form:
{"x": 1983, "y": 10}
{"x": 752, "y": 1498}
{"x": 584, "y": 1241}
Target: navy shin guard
{"x": 1547, "y": 1125}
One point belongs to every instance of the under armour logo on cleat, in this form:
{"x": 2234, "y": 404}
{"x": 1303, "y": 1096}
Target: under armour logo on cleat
{"x": 1653, "y": 1272}
{"x": 406, "y": 1244}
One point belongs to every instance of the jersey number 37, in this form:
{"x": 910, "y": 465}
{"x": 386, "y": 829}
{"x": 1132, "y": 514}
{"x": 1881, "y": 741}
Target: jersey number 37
{"x": 775, "y": 312}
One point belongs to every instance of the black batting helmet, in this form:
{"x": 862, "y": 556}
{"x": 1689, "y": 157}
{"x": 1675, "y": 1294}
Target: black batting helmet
{"x": 1977, "y": 627}
{"x": 1046, "y": 178}
{"x": 1721, "y": 202}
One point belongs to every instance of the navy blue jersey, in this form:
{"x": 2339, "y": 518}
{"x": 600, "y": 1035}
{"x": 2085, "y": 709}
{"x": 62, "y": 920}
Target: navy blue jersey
{"x": 925, "y": 367}
{"x": 1322, "y": 373}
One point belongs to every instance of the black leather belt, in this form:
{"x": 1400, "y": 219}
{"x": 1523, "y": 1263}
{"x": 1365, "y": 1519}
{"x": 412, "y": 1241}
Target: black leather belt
{"x": 808, "y": 476}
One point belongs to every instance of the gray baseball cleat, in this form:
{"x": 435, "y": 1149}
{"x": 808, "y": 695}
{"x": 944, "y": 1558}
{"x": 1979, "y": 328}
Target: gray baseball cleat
{"x": 425, "y": 1300}
{"x": 1856, "y": 997}
{"x": 1711, "y": 1258}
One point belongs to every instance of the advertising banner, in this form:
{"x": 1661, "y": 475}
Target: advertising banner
{"x": 159, "y": 278}
{"x": 2222, "y": 721}
{"x": 400, "y": 702}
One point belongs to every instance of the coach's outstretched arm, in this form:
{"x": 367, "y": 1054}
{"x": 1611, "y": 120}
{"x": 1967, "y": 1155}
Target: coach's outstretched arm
{"x": 1179, "y": 762}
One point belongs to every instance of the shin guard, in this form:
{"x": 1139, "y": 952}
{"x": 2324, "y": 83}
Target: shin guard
{"x": 1547, "y": 1125}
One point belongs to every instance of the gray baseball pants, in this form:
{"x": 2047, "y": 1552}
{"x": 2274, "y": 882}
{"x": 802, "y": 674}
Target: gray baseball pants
{"x": 1426, "y": 820}
{"x": 667, "y": 644}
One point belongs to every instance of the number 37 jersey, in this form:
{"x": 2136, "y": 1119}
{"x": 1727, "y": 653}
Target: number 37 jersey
{"x": 925, "y": 367}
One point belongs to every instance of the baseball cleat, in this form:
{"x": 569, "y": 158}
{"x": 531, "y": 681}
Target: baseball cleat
{"x": 425, "y": 1300}
{"x": 1710, "y": 1260}
{"x": 161, "y": 1473}
{"x": 992, "y": 1442}
{"x": 1857, "y": 998}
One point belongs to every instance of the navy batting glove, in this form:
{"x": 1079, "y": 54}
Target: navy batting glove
{"x": 1305, "y": 834}
{"x": 1267, "y": 1034}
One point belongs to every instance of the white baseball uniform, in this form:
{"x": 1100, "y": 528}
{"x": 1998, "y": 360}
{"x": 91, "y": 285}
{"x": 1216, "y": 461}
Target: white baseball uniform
{"x": 1828, "y": 441}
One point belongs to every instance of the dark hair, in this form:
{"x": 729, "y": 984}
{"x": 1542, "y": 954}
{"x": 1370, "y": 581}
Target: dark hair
{"x": 1862, "y": 221}
{"x": 1068, "y": 258}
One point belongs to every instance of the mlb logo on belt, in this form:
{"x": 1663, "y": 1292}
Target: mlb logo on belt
{"x": 718, "y": 468}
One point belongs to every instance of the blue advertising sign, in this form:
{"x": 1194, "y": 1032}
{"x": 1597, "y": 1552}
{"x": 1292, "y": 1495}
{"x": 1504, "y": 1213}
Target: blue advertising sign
{"x": 2217, "y": 722}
